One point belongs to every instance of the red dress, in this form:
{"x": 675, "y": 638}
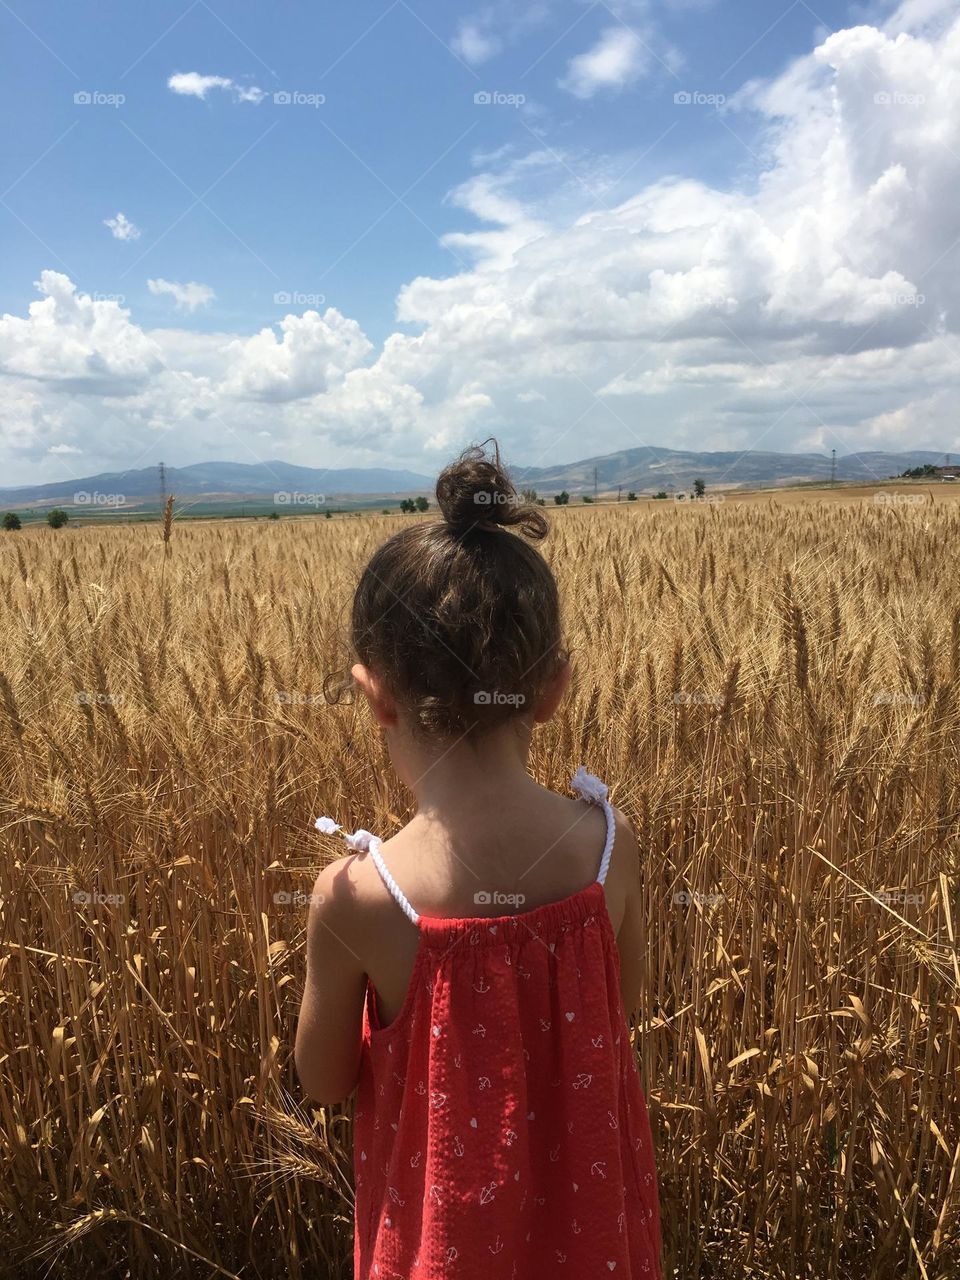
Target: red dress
{"x": 501, "y": 1130}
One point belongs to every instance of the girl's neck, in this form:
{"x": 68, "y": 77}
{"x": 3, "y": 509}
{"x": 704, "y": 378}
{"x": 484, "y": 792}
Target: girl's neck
{"x": 468, "y": 775}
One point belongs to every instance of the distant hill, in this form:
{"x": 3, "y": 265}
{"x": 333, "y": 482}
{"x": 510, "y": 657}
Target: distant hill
{"x": 645, "y": 469}
{"x": 226, "y": 480}
{"x": 649, "y": 468}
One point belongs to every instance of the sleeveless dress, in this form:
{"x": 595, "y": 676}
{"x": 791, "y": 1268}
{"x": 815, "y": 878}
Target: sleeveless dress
{"x": 501, "y": 1130}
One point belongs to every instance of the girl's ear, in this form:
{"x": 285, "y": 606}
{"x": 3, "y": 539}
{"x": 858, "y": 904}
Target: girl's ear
{"x": 382, "y": 703}
{"x": 554, "y": 693}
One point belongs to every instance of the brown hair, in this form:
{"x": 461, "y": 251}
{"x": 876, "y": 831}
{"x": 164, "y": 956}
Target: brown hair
{"x": 460, "y": 616}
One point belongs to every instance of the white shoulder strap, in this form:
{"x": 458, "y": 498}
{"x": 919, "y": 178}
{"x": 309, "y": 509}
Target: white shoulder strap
{"x": 589, "y": 787}
{"x": 364, "y": 842}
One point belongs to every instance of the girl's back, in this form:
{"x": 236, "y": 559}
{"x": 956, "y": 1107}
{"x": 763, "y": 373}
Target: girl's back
{"x": 470, "y": 976}
{"x": 501, "y": 1128}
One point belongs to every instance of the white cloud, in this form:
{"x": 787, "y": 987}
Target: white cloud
{"x": 313, "y": 352}
{"x": 817, "y": 306}
{"x": 72, "y": 341}
{"x": 617, "y": 59}
{"x": 188, "y": 297}
{"x": 121, "y": 228}
{"x": 194, "y": 85}
{"x": 474, "y": 45}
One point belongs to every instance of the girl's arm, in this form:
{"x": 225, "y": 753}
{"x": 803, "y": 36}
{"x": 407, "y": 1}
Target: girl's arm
{"x": 330, "y": 1025}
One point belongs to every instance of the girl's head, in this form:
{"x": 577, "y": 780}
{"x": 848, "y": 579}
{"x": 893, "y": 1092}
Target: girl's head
{"x": 456, "y": 622}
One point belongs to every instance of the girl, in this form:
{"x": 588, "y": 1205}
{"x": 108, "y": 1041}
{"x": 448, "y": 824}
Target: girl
{"x": 471, "y": 974}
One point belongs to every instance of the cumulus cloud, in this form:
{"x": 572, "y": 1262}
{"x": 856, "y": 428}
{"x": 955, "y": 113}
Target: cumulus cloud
{"x": 617, "y": 59}
{"x": 813, "y": 307}
{"x": 74, "y": 342}
{"x": 311, "y": 353}
{"x": 121, "y": 228}
{"x": 187, "y": 297}
{"x": 192, "y": 84}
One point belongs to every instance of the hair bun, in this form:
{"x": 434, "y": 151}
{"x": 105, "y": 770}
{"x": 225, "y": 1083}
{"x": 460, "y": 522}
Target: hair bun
{"x": 476, "y": 493}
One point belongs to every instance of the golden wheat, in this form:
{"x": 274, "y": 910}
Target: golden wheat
{"x": 771, "y": 691}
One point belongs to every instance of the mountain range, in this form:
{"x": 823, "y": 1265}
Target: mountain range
{"x": 645, "y": 470}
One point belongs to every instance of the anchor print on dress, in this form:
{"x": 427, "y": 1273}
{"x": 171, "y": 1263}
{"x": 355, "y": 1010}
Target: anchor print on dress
{"x": 481, "y": 987}
{"x": 582, "y": 1081}
{"x": 488, "y": 1193}
{"x": 458, "y": 1147}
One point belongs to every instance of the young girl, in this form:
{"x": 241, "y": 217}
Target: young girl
{"x": 471, "y": 974}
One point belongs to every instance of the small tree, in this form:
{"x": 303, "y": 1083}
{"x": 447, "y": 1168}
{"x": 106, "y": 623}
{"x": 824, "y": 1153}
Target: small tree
{"x": 273, "y": 516}
{"x": 57, "y": 518}
{"x": 587, "y": 497}
{"x": 11, "y": 521}
{"x": 631, "y": 496}
{"x": 407, "y": 505}
{"x": 561, "y": 498}
{"x": 529, "y": 495}
{"x": 699, "y": 488}
{"x": 660, "y": 494}
{"x": 422, "y": 504}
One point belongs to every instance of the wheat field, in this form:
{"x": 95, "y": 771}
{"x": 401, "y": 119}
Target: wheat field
{"x": 771, "y": 691}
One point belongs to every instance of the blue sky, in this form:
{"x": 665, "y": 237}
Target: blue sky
{"x": 429, "y": 249}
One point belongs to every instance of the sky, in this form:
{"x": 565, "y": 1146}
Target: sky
{"x": 370, "y": 234}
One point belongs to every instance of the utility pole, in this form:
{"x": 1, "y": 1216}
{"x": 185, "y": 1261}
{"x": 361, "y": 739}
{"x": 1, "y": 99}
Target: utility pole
{"x": 163, "y": 486}
{"x": 833, "y": 467}
{"x": 595, "y": 469}
{"x": 619, "y": 491}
